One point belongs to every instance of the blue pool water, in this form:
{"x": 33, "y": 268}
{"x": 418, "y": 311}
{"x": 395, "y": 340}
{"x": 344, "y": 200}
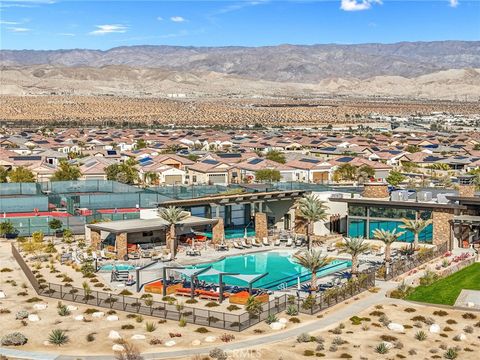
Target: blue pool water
{"x": 280, "y": 266}
{"x": 109, "y": 267}
{"x": 233, "y": 233}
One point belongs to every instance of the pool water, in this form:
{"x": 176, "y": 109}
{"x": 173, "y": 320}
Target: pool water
{"x": 233, "y": 233}
{"x": 280, "y": 266}
{"x": 121, "y": 267}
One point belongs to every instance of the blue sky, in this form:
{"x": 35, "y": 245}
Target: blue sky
{"x": 45, "y": 24}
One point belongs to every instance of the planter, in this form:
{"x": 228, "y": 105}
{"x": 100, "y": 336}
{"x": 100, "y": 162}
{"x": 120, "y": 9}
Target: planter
{"x": 11, "y": 236}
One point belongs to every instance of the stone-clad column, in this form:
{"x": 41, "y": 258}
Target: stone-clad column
{"x": 261, "y": 230}
{"x": 95, "y": 239}
{"x": 218, "y": 231}
{"x": 441, "y": 219}
{"x": 121, "y": 244}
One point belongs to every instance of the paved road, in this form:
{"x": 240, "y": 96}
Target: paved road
{"x": 329, "y": 319}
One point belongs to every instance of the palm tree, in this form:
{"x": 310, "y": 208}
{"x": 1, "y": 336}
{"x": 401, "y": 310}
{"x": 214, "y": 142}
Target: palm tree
{"x": 311, "y": 209}
{"x": 354, "y": 247}
{"x": 388, "y": 237}
{"x": 173, "y": 215}
{"x": 312, "y": 260}
{"x": 416, "y": 227}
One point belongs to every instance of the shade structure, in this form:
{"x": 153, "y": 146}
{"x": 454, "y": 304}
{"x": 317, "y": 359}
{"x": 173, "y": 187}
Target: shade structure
{"x": 249, "y": 279}
{"x": 220, "y": 274}
{"x": 192, "y": 274}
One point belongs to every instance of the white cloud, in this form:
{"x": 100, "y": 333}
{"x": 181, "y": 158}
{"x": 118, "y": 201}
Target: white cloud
{"x": 454, "y": 3}
{"x": 66, "y": 34}
{"x": 108, "y": 29}
{"x": 178, "y": 19}
{"x": 357, "y": 5}
{"x": 18, "y": 29}
{"x": 3, "y": 22}
{"x": 159, "y": 18}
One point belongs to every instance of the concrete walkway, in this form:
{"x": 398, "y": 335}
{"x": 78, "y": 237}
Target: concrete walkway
{"x": 333, "y": 317}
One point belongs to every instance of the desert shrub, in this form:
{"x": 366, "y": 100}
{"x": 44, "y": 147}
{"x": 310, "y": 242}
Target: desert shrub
{"x": 337, "y": 340}
{"x": 218, "y": 354}
{"x": 128, "y": 327}
{"x": 388, "y": 338}
{"x": 202, "y": 330}
{"x": 308, "y": 353}
{"x": 447, "y": 328}
{"x": 333, "y": 348}
{"x": 440, "y": 313}
{"x": 227, "y": 337}
{"x": 58, "y": 337}
{"x": 469, "y": 316}
{"x": 22, "y": 293}
{"x": 418, "y": 318}
{"x": 294, "y": 320}
{"x": 14, "y": 339}
{"x": 398, "y": 344}
{"x": 345, "y": 356}
{"x": 5, "y": 269}
{"x": 451, "y": 322}
{"x": 90, "y": 337}
{"x": 212, "y": 304}
{"x": 90, "y": 311}
{"x": 468, "y": 329}
{"x": 377, "y": 313}
{"x": 155, "y": 341}
{"x": 63, "y": 311}
{"x": 233, "y": 307}
{"x": 4, "y": 311}
{"x": 33, "y": 300}
{"x": 384, "y": 320}
{"x": 409, "y": 310}
{"x": 22, "y": 314}
{"x": 139, "y": 318}
{"x": 125, "y": 292}
{"x": 182, "y": 322}
{"x": 428, "y": 278}
{"x": 303, "y": 338}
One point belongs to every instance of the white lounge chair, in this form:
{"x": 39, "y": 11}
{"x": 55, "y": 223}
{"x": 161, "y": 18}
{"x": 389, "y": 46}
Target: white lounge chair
{"x": 277, "y": 242}
{"x": 265, "y": 241}
{"x": 289, "y": 242}
{"x": 236, "y": 245}
{"x": 255, "y": 243}
{"x": 245, "y": 245}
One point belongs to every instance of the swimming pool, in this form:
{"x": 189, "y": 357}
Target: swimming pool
{"x": 233, "y": 233}
{"x": 121, "y": 267}
{"x": 280, "y": 266}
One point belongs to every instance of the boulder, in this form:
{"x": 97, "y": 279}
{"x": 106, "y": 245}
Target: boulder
{"x": 434, "y": 328}
{"x": 114, "y": 335}
{"x": 98, "y": 314}
{"x": 196, "y": 342}
{"x": 277, "y": 326}
{"x": 118, "y": 348}
{"x": 170, "y": 343}
{"x": 138, "y": 337}
{"x": 72, "y": 308}
{"x": 462, "y": 337}
{"x": 33, "y": 318}
{"x": 79, "y": 318}
{"x": 47, "y": 343}
{"x": 396, "y": 327}
{"x": 40, "y": 306}
{"x": 470, "y": 304}
{"x": 112, "y": 318}
{"x": 2, "y": 295}
{"x": 389, "y": 345}
{"x": 283, "y": 321}
{"x": 210, "y": 339}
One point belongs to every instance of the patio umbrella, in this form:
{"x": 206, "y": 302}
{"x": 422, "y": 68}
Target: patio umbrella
{"x": 299, "y": 286}
{"x": 245, "y": 234}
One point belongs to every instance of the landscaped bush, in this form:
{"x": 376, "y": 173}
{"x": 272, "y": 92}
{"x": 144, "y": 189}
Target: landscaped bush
{"x": 125, "y": 292}
{"x": 227, "y": 337}
{"x": 421, "y": 335}
{"x": 388, "y": 338}
{"x": 304, "y": 337}
{"x": 22, "y": 314}
{"x": 233, "y": 307}
{"x": 218, "y": 354}
{"x": 381, "y": 348}
{"x": 292, "y": 310}
{"x": 428, "y": 278}
{"x": 211, "y": 304}
{"x": 202, "y": 330}
{"x": 294, "y": 320}
{"x": 90, "y": 337}
{"x": 451, "y": 354}
{"x": 308, "y": 353}
{"x": 191, "y": 301}
{"x": 469, "y": 316}
{"x": 58, "y": 337}
{"x": 128, "y": 327}
{"x": 4, "y": 270}
{"x": 33, "y": 300}
{"x": 90, "y": 311}
{"x": 271, "y": 319}
{"x": 440, "y": 313}
{"x": 377, "y": 313}
{"x": 410, "y": 310}
{"x": 14, "y": 339}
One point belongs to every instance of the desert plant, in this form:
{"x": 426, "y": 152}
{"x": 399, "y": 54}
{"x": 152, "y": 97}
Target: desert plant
{"x": 150, "y": 326}
{"x": 355, "y": 247}
{"x": 271, "y": 318}
{"x": 63, "y": 311}
{"x": 313, "y": 260}
{"x": 218, "y": 354}
{"x": 22, "y": 314}
{"x": 451, "y": 354}
{"x": 172, "y": 215}
{"x": 311, "y": 209}
{"x": 202, "y": 330}
{"x": 182, "y": 322}
{"x": 416, "y": 227}
{"x": 421, "y": 335}
{"x": 58, "y": 337}
{"x": 253, "y": 306}
{"x": 304, "y": 337}
{"x": 292, "y": 310}
{"x": 90, "y": 337}
{"x": 381, "y": 348}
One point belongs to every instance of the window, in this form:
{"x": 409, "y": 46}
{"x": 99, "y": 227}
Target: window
{"x": 147, "y": 233}
{"x": 391, "y": 213}
{"x": 356, "y": 227}
{"x": 355, "y": 210}
{"x": 407, "y": 236}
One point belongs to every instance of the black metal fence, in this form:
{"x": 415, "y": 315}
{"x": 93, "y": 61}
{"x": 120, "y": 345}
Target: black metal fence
{"x": 203, "y": 317}
{"x": 399, "y": 267}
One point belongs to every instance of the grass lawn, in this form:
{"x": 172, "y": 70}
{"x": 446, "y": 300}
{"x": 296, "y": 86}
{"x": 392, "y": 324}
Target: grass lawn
{"x": 446, "y": 290}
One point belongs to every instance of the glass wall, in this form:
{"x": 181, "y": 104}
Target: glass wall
{"x": 357, "y": 227}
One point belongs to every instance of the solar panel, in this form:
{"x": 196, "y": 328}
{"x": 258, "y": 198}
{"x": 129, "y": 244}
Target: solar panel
{"x": 20, "y": 158}
{"x": 311, "y": 161}
{"x": 229, "y": 155}
{"x": 144, "y": 160}
{"x": 210, "y": 162}
{"x": 255, "y": 161}
{"x": 111, "y": 152}
{"x": 345, "y": 159}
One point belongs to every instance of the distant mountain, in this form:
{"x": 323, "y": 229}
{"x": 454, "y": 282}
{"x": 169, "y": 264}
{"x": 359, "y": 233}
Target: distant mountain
{"x": 283, "y": 63}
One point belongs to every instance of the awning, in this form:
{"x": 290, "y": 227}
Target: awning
{"x": 249, "y": 279}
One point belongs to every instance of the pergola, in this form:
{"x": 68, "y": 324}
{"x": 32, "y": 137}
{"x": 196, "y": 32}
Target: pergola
{"x": 250, "y": 279}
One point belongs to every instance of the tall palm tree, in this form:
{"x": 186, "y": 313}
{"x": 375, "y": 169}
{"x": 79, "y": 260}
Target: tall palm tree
{"x": 312, "y": 260}
{"x": 311, "y": 209}
{"x": 388, "y": 237}
{"x": 173, "y": 215}
{"x": 416, "y": 227}
{"x": 354, "y": 247}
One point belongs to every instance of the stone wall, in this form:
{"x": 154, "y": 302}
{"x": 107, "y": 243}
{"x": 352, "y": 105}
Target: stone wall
{"x": 218, "y": 231}
{"x": 301, "y": 225}
{"x": 121, "y": 244}
{"x": 261, "y": 230}
{"x": 466, "y": 190}
{"x": 95, "y": 239}
{"x": 375, "y": 191}
{"x": 441, "y": 226}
